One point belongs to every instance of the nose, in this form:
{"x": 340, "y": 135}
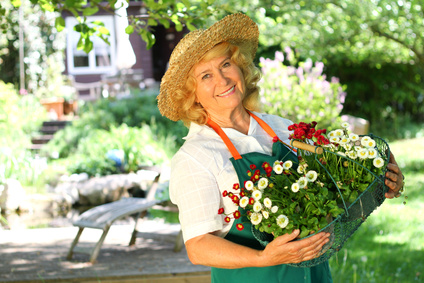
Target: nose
{"x": 221, "y": 78}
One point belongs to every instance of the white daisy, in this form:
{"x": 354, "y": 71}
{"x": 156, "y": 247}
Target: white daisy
{"x": 265, "y": 214}
{"x": 311, "y": 176}
{"x": 295, "y": 187}
{"x": 278, "y": 169}
{"x": 256, "y": 218}
{"x": 257, "y": 206}
{"x": 267, "y": 202}
{"x": 345, "y": 125}
{"x": 287, "y": 165}
{"x": 257, "y": 195}
{"x": 303, "y": 182}
{"x": 274, "y": 209}
{"x": 372, "y": 153}
{"x": 365, "y": 140}
{"x": 353, "y": 137}
{"x": 282, "y": 221}
{"x": 339, "y": 133}
{"x": 378, "y": 162}
{"x": 334, "y": 140}
{"x": 363, "y": 153}
{"x": 263, "y": 183}
{"x": 352, "y": 154}
{"x": 244, "y": 202}
{"x": 249, "y": 185}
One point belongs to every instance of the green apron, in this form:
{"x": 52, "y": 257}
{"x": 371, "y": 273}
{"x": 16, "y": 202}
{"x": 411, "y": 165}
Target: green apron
{"x": 272, "y": 274}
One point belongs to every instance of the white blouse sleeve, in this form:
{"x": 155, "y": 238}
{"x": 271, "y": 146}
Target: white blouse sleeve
{"x": 195, "y": 191}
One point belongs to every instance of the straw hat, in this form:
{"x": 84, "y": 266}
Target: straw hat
{"x": 237, "y": 29}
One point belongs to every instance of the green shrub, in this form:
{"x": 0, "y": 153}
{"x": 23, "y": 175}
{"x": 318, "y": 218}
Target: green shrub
{"x": 20, "y": 117}
{"x": 134, "y": 111}
{"x": 139, "y": 146}
{"x": 300, "y": 93}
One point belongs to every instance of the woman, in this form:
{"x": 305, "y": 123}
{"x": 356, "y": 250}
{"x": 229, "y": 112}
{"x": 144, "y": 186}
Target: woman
{"x": 211, "y": 85}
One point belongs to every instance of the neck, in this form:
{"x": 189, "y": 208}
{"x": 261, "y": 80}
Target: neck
{"x": 239, "y": 120}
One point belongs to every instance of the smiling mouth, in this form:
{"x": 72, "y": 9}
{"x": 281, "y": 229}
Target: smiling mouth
{"x": 227, "y": 92}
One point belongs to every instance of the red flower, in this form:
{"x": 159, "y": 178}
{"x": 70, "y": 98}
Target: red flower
{"x": 221, "y": 210}
{"x": 239, "y": 226}
{"x": 224, "y": 193}
{"x": 251, "y": 201}
{"x": 237, "y": 214}
{"x": 236, "y": 186}
{"x": 253, "y": 166}
{"x": 235, "y": 199}
{"x": 227, "y": 219}
{"x": 275, "y": 139}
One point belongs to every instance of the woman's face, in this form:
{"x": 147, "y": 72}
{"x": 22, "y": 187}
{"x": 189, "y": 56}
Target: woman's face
{"x": 220, "y": 86}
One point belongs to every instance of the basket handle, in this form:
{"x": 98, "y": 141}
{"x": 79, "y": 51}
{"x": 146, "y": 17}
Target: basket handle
{"x": 308, "y": 147}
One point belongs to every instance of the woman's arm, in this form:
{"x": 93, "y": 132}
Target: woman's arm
{"x": 394, "y": 178}
{"x": 211, "y": 250}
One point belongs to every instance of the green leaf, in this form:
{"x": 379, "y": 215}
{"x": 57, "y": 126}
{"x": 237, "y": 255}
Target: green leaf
{"x": 90, "y": 11}
{"x": 129, "y": 29}
{"x": 59, "y": 23}
{"x": 178, "y": 26}
{"x": 151, "y": 22}
{"x": 16, "y": 3}
{"x": 103, "y": 30}
{"x": 190, "y": 26}
{"x": 164, "y": 22}
{"x": 88, "y": 46}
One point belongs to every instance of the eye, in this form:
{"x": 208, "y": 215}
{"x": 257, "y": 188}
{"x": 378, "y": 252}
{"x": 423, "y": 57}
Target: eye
{"x": 226, "y": 64}
{"x": 206, "y": 76}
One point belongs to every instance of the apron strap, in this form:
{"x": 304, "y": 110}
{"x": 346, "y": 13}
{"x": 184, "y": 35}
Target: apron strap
{"x": 236, "y": 155}
{"x": 225, "y": 138}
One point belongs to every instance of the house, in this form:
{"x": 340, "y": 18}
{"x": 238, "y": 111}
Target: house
{"x": 108, "y": 68}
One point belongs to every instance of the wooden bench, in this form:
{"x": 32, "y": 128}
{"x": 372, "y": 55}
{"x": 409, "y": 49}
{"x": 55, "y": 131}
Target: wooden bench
{"x": 103, "y": 216}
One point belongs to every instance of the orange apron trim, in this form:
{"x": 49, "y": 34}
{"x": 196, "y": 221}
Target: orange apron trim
{"x": 236, "y": 155}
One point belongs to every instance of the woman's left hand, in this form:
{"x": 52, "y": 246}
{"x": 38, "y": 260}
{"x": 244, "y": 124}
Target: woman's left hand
{"x": 394, "y": 179}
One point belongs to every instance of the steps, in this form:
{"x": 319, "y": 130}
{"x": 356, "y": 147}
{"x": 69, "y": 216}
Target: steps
{"x": 48, "y": 129}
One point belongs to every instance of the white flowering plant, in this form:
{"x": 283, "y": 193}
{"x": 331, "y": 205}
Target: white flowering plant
{"x": 308, "y": 194}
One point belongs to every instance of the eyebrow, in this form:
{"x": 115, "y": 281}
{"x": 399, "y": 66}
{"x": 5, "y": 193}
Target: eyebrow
{"x": 207, "y": 70}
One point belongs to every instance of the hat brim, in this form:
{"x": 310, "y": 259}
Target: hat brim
{"x": 237, "y": 29}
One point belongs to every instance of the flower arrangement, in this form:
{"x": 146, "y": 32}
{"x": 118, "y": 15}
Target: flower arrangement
{"x": 308, "y": 195}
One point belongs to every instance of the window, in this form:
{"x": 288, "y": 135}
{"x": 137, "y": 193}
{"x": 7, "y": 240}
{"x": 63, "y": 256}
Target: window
{"x": 101, "y": 59}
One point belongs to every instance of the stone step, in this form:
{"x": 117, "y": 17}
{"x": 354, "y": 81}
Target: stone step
{"x": 50, "y": 130}
{"x": 43, "y": 139}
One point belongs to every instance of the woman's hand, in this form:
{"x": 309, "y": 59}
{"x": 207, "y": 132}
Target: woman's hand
{"x": 394, "y": 179}
{"x": 283, "y": 249}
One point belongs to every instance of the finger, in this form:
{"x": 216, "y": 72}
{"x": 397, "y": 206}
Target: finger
{"x": 287, "y": 237}
{"x": 392, "y": 177}
{"x": 313, "y": 251}
{"x": 394, "y": 168}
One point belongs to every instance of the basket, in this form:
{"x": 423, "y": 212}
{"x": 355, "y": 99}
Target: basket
{"x": 343, "y": 227}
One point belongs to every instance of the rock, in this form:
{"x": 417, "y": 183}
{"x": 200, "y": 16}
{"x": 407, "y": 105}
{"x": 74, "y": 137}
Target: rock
{"x": 12, "y": 196}
{"x": 100, "y": 190}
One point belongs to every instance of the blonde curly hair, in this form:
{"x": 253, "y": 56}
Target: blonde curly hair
{"x": 186, "y": 98}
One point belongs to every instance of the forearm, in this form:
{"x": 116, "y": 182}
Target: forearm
{"x": 211, "y": 250}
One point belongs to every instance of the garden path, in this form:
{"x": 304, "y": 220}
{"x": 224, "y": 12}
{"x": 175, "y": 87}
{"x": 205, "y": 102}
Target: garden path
{"x": 39, "y": 255}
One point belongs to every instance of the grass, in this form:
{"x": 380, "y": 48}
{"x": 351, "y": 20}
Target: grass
{"x": 389, "y": 246}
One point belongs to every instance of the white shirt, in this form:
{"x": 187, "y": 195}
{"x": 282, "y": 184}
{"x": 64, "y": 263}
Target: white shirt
{"x": 201, "y": 170}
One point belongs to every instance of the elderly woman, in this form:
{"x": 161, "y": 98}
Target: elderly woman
{"x": 211, "y": 85}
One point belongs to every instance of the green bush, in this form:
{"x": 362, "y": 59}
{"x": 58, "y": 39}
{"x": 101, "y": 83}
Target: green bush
{"x": 134, "y": 111}
{"x": 20, "y": 118}
{"x": 300, "y": 93}
{"x": 390, "y": 96}
{"x": 139, "y": 146}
